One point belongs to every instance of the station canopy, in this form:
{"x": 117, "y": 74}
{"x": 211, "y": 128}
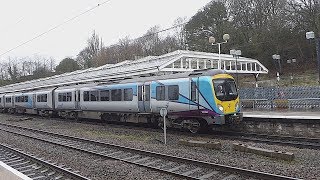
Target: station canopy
{"x": 174, "y": 62}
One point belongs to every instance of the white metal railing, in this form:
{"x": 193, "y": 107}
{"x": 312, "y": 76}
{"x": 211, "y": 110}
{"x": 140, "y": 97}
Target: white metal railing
{"x": 177, "y": 61}
{"x": 299, "y": 103}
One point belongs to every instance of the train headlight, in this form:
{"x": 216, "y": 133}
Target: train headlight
{"x": 237, "y": 107}
{"x": 220, "y": 107}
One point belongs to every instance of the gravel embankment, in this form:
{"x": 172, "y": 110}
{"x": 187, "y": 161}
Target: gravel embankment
{"x": 305, "y": 165}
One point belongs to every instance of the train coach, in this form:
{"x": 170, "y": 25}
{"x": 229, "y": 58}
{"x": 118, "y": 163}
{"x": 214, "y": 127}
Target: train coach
{"x": 194, "y": 101}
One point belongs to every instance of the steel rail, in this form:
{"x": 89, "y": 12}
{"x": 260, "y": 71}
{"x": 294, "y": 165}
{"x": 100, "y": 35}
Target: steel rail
{"x": 301, "y": 142}
{"x": 178, "y": 166}
{"x": 35, "y": 167}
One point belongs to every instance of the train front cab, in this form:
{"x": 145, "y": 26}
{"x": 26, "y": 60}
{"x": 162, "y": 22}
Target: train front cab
{"x": 227, "y": 99}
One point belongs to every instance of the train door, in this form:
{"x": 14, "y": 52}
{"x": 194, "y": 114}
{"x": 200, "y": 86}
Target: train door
{"x": 144, "y": 98}
{"x": 12, "y": 101}
{"x": 34, "y": 100}
{"x": 77, "y": 99}
{"x": 147, "y": 97}
{"x": 194, "y": 94}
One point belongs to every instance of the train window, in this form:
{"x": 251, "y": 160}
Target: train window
{"x": 116, "y": 94}
{"x": 128, "y": 94}
{"x": 160, "y": 93}
{"x": 68, "y": 96}
{"x": 0, "y": 100}
{"x": 25, "y": 98}
{"x": 60, "y": 96}
{"x": 94, "y": 96}
{"x": 193, "y": 91}
{"x": 43, "y": 98}
{"x": 225, "y": 89}
{"x": 8, "y": 100}
{"x": 21, "y": 99}
{"x": 104, "y": 95}
{"x": 85, "y": 95}
{"x": 64, "y": 97}
{"x": 16, "y": 99}
{"x": 173, "y": 92}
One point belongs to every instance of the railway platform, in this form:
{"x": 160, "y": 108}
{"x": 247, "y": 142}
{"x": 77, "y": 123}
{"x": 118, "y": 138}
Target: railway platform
{"x": 7, "y": 172}
{"x": 284, "y": 114}
{"x": 282, "y": 122}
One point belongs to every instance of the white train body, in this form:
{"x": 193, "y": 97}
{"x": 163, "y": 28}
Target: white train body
{"x": 44, "y": 99}
{"x": 190, "y": 100}
{"x": 2, "y": 100}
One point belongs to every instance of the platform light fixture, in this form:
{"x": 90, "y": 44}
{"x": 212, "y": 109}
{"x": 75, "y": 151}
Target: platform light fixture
{"x": 212, "y": 41}
{"x": 276, "y": 57}
{"x": 291, "y": 62}
{"x": 236, "y": 53}
{"x": 310, "y": 36}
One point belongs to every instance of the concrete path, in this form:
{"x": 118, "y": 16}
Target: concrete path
{"x": 282, "y": 114}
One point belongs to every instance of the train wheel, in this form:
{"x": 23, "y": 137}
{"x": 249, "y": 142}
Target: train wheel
{"x": 73, "y": 115}
{"x": 194, "y": 126}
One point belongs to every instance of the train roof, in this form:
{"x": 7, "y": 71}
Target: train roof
{"x": 210, "y": 72}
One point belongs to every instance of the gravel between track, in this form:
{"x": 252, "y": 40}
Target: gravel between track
{"x": 305, "y": 165}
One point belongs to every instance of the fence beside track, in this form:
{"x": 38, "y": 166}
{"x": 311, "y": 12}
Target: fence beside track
{"x": 297, "y": 98}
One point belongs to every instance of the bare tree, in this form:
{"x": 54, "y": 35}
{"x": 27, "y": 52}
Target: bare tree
{"x": 88, "y": 54}
{"x": 13, "y": 69}
{"x": 306, "y": 14}
{"x": 179, "y": 32}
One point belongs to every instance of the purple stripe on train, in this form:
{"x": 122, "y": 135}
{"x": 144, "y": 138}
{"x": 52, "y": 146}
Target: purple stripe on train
{"x": 195, "y": 113}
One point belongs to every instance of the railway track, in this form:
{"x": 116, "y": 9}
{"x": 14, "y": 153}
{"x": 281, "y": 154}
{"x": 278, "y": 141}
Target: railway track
{"x": 301, "y": 142}
{"x": 34, "y": 167}
{"x": 177, "y": 166}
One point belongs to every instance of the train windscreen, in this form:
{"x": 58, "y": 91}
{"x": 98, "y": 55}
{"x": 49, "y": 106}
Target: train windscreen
{"x": 225, "y": 89}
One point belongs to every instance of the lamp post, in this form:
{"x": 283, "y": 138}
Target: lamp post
{"x": 212, "y": 40}
{"x": 310, "y": 35}
{"x": 236, "y": 54}
{"x": 276, "y": 57}
{"x": 291, "y": 62}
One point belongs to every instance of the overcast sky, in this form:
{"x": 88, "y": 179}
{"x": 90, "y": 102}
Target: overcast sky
{"x": 22, "y": 20}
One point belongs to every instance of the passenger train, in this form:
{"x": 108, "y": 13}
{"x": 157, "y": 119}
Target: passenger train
{"x": 194, "y": 101}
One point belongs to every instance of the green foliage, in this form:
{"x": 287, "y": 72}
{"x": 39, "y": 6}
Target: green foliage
{"x": 213, "y": 17}
{"x": 260, "y": 28}
{"x": 67, "y": 65}
{"x": 41, "y": 72}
